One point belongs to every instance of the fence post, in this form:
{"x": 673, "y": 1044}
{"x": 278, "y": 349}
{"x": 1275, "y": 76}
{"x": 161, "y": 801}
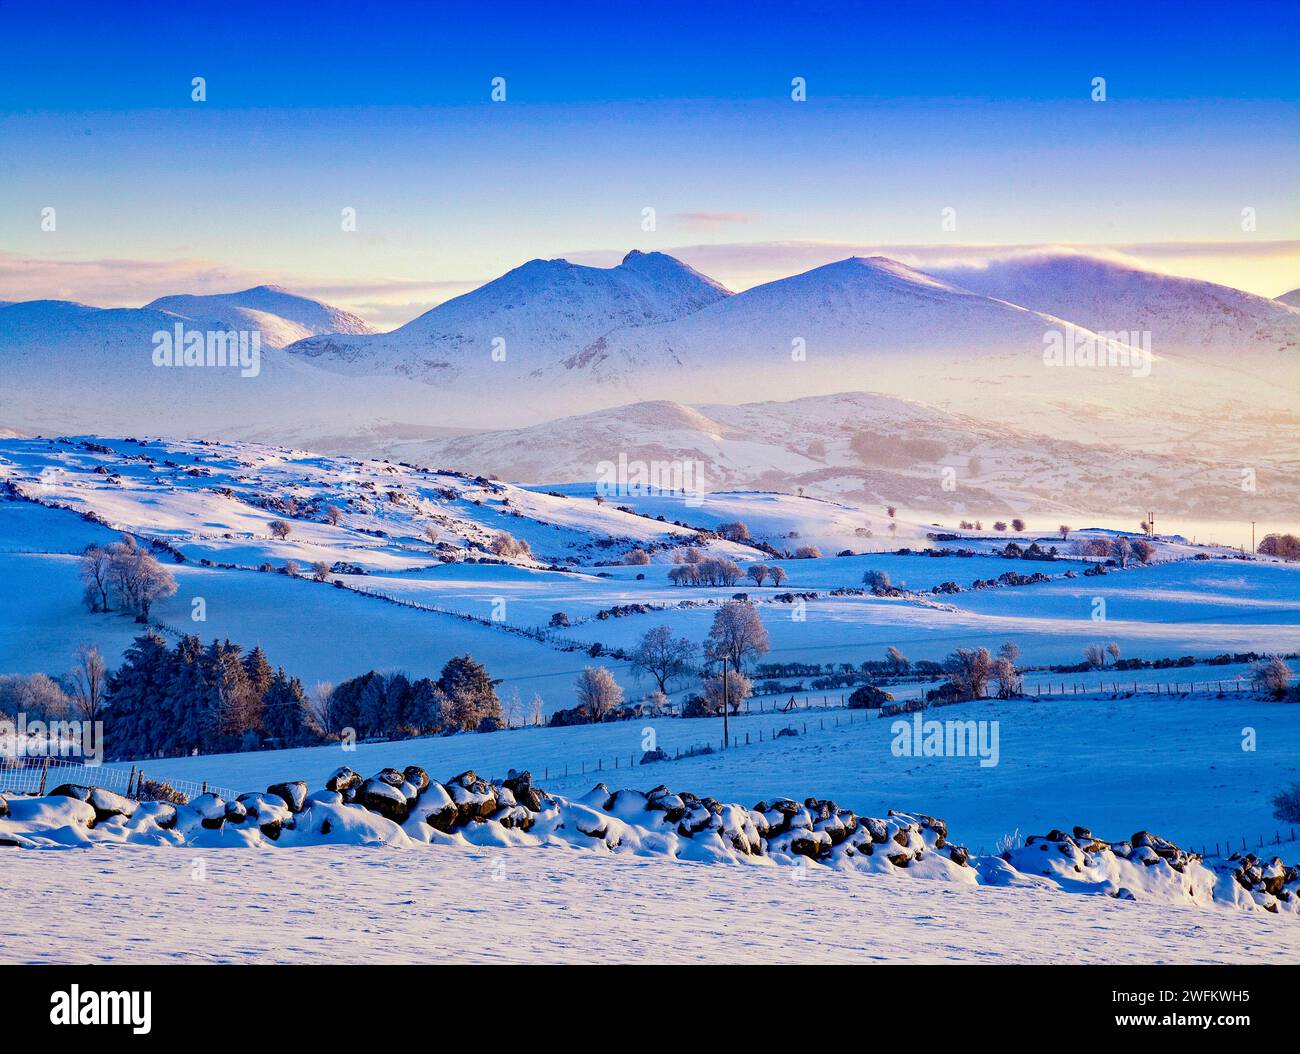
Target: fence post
{"x": 45, "y": 768}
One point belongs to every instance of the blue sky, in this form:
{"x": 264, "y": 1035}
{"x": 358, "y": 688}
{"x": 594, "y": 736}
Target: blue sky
{"x": 615, "y": 107}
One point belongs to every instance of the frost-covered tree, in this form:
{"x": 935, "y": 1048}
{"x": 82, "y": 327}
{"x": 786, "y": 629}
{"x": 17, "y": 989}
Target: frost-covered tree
{"x": 471, "y": 694}
{"x": 737, "y": 634}
{"x": 89, "y": 680}
{"x": 598, "y": 692}
{"x": 735, "y": 531}
{"x": 876, "y": 581}
{"x": 1270, "y": 675}
{"x": 807, "y": 552}
{"x": 758, "y": 573}
{"x": 777, "y": 573}
{"x": 1095, "y": 656}
{"x": 900, "y": 662}
{"x": 736, "y": 690}
{"x": 969, "y": 670}
{"x": 280, "y": 529}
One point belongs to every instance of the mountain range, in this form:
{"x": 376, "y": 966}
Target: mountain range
{"x": 559, "y": 361}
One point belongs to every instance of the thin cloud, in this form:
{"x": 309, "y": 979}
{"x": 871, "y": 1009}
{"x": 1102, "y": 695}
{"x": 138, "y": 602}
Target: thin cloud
{"x": 710, "y": 220}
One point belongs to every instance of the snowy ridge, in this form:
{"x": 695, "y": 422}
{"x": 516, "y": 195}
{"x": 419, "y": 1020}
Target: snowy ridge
{"x": 403, "y": 808}
{"x": 542, "y": 310}
{"x": 282, "y": 317}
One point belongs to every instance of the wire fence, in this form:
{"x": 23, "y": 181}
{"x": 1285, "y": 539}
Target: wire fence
{"x": 40, "y": 775}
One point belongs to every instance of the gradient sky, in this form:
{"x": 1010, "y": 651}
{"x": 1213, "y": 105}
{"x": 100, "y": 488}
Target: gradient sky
{"x": 615, "y": 107}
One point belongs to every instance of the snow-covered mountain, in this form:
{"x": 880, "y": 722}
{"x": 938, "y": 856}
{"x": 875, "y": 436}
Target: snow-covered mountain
{"x": 281, "y": 316}
{"x": 1185, "y": 316}
{"x": 525, "y": 320}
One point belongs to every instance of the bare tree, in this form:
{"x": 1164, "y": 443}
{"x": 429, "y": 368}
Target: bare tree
{"x": 1112, "y": 649}
{"x": 280, "y": 529}
{"x": 636, "y": 557}
{"x": 1143, "y": 550}
{"x": 662, "y": 657}
{"x": 96, "y": 575}
{"x": 777, "y": 573}
{"x": 736, "y": 531}
{"x": 320, "y": 570}
{"x": 89, "y": 679}
{"x": 757, "y": 572}
{"x": 807, "y": 552}
{"x": 1010, "y": 651}
{"x": 1065, "y": 530}
{"x": 320, "y": 705}
{"x": 431, "y": 533}
{"x": 333, "y": 514}
{"x": 598, "y": 692}
{"x": 1017, "y": 524}
{"x": 1000, "y": 525}
{"x": 1095, "y": 656}
{"x": 536, "y": 711}
{"x": 737, "y": 633}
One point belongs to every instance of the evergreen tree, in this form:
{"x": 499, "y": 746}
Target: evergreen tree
{"x": 424, "y": 709}
{"x": 397, "y": 700}
{"x": 258, "y": 670}
{"x": 285, "y": 711}
{"x": 471, "y": 693}
{"x": 187, "y": 696}
{"x": 135, "y": 720}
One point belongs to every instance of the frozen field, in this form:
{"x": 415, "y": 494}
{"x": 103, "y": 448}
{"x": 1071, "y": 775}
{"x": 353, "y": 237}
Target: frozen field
{"x": 447, "y": 904}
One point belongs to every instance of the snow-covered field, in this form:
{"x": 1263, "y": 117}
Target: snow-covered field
{"x": 445, "y": 904}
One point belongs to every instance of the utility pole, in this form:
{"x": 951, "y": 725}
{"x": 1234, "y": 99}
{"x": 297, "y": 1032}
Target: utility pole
{"x": 1252, "y": 536}
{"x": 726, "y": 706}
{"x": 1151, "y": 524}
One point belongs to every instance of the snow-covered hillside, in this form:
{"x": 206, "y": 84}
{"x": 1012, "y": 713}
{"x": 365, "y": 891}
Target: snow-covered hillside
{"x": 280, "y": 316}
{"x": 526, "y": 320}
{"x": 1185, "y": 316}
{"x": 874, "y": 450}
{"x": 213, "y": 506}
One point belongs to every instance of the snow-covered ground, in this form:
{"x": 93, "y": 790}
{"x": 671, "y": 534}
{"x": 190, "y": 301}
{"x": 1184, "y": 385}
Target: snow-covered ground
{"x": 448, "y": 904}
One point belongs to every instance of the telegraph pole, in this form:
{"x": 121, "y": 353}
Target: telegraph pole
{"x": 1252, "y": 536}
{"x": 726, "y": 706}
